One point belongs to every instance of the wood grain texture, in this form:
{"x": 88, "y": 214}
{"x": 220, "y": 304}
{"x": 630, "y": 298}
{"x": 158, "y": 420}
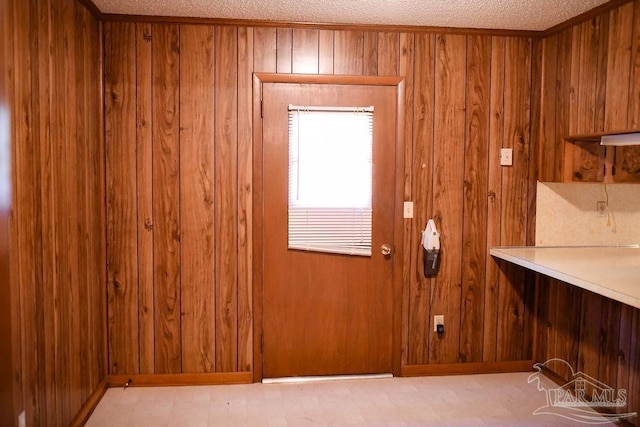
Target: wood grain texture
{"x": 325, "y": 51}
{"x": 619, "y": 67}
{"x": 57, "y": 163}
{"x": 348, "y": 53}
{"x": 406, "y": 66}
{"x": 588, "y": 331}
{"x": 11, "y": 327}
{"x": 419, "y": 291}
{"x": 589, "y": 344}
{"x": 144, "y": 169}
{"x": 121, "y": 169}
{"x": 264, "y": 50}
{"x": 474, "y": 227}
{"x": 634, "y": 94}
{"x": 494, "y": 198}
{"x": 245, "y": 197}
{"x": 197, "y": 164}
{"x": 226, "y": 197}
{"x": 388, "y": 53}
{"x": 370, "y": 53}
{"x": 448, "y": 185}
{"x": 284, "y": 52}
{"x": 166, "y": 197}
{"x": 305, "y": 51}
{"x": 517, "y": 101}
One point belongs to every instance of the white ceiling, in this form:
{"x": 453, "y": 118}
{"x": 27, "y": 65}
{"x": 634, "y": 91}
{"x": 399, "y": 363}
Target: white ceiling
{"x": 535, "y": 15}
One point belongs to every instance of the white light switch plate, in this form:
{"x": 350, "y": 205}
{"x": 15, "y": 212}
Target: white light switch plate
{"x": 407, "y": 212}
{"x": 506, "y": 156}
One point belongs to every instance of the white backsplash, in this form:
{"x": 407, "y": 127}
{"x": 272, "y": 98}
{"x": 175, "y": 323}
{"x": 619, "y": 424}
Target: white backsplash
{"x": 566, "y": 214}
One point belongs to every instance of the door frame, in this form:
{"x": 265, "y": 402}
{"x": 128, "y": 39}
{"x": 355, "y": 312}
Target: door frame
{"x": 258, "y": 206}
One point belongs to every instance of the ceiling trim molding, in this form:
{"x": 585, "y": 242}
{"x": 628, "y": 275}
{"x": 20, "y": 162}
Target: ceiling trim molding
{"x": 597, "y": 11}
{"x": 91, "y": 7}
{"x": 589, "y": 14}
{"x": 319, "y": 26}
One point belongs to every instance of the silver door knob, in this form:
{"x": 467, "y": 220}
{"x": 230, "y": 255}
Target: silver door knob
{"x": 385, "y": 249}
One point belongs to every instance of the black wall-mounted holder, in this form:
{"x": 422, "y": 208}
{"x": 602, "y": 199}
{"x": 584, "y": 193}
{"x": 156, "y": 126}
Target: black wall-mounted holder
{"x": 431, "y": 261}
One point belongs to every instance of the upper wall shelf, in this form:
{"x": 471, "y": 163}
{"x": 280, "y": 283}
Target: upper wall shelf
{"x": 585, "y": 160}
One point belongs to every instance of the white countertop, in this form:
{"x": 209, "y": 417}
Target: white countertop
{"x": 613, "y": 272}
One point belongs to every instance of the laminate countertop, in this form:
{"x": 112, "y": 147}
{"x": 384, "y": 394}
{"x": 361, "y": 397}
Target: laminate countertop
{"x": 610, "y": 271}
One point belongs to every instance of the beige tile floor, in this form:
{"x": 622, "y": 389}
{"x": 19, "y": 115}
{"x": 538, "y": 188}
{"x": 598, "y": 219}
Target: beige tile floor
{"x": 466, "y": 400}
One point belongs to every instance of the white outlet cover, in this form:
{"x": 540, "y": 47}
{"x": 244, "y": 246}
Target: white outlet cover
{"x": 22, "y": 419}
{"x": 438, "y": 319}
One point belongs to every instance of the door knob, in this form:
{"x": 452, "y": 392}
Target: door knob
{"x": 385, "y": 249}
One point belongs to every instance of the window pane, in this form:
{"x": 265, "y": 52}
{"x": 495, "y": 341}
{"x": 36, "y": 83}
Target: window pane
{"x": 330, "y": 179}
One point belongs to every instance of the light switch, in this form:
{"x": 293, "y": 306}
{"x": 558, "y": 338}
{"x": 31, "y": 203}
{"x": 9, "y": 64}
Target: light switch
{"x": 506, "y": 156}
{"x": 408, "y": 210}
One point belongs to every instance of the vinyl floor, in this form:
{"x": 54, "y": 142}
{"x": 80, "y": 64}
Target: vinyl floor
{"x": 464, "y": 400}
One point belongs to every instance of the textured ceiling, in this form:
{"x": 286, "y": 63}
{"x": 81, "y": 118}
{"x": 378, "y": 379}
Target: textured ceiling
{"x": 495, "y": 14}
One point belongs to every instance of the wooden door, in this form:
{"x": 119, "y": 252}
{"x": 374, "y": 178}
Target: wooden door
{"x": 326, "y": 314}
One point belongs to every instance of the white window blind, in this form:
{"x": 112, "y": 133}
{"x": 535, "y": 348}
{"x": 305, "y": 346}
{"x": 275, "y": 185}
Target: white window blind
{"x": 330, "y": 179}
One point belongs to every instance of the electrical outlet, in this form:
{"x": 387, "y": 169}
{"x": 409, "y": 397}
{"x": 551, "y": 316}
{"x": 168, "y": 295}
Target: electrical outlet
{"x": 22, "y": 419}
{"x": 408, "y": 209}
{"x": 438, "y": 319}
{"x": 601, "y": 209}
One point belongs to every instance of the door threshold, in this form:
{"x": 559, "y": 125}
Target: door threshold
{"x": 321, "y": 378}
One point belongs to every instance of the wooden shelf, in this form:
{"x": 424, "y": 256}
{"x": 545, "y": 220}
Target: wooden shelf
{"x": 585, "y": 160}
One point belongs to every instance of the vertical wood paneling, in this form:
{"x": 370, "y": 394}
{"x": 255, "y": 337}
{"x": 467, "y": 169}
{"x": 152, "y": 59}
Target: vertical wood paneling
{"x": 57, "y": 229}
{"x": 166, "y": 201}
{"x": 388, "y": 53}
{"x": 634, "y": 93}
{"x": 325, "y": 51}
{"x": 226, "y": 215}
{"x": 305, "y": 51}
{"x": 196, "y": 199}
{"x": 514, "y": 195}
{"x": 448, "y": 158}
{"x": 547, "y": 153}
{"x": 120, "y": 134}
{"x": 348, "y": 52}
{"x": 574, "y": 80}
{"x": 245, "y": 197}
{"x": 265, "y": 50}
{"x": 14, "y": 301}
{"x": 27, "y": 209}
{"x": 494, "y": 196}
{"x": 586, "y": 94}
{"x": 590, "y": 332}
{"x": 610, "y": 335}
{"x": 567, "y": 314}
{"x": 406, "y": 68}
{"x": 563, "y": 79}
{"x": 284, "y": 40}
{"x": 634, "y": 364}
{"x": 454, "y": 127}
{"x": 589, "y": 344}
{"x": 421, "y": 178}
{"x": 144, "y": 168}
{"x": 474, "y": 230}
{"x": 619, "y": 67}
{"x": 370, "y": 53}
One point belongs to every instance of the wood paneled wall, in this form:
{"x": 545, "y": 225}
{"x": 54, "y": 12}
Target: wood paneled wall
{"x": 179, "y": 175}
{"x": 591, "y": 84}
{"x": 51, "y": 62}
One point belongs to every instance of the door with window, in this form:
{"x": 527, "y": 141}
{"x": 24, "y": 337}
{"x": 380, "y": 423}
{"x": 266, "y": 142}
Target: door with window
{"x": 328, "y": 191}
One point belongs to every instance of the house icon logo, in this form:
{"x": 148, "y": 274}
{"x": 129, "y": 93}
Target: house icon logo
{"x": 577, "y": 399}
